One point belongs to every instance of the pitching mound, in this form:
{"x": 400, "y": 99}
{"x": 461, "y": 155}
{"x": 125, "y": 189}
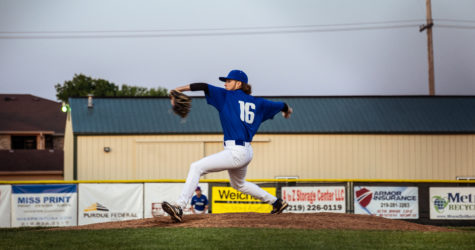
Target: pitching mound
{"x": 255, "y": 220}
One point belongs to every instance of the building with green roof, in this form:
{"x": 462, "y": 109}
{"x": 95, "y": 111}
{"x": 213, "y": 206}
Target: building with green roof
{"x": 354, "y": 137}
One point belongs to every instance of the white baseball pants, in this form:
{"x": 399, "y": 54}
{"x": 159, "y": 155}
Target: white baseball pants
{"x": 233, "y": 158}
{"x": 200, "y": 212}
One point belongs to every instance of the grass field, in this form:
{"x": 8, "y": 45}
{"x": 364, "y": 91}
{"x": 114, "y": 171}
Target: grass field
{"x": 231, "y": 238}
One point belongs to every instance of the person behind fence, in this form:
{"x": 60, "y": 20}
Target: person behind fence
{"x": 199, "y": 202}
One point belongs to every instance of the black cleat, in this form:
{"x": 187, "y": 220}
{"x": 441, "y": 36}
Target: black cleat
{"x": 279, "y": 206}
{"x": 175, "y": 212}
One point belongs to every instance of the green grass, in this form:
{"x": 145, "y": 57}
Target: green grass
{"x": 231, "y": 238}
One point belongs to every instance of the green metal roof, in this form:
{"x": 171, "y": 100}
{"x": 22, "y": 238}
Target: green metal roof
{"x": 360, "y": 115}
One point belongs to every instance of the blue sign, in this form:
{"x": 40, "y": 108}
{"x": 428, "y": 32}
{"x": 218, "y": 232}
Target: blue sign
{"x": 44, "y": 205}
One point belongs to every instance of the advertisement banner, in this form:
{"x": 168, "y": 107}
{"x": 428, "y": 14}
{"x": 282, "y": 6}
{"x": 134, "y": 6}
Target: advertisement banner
{"x": 109, "y": 202}
{"x": 229, "y": 200}
{"x": 5, "y": 205}
{"x": 314, "y": 199}
{"x": 156, "y": 193}
{"x": 44, "y": 205}
{"x": 387, "y": 202}
{"x": 452, "y": 203}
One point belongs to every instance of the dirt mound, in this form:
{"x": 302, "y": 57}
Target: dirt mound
{"x": 255, "y": 220}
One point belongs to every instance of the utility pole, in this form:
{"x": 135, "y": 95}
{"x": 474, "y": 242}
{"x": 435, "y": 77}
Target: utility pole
{"x": 430, "y": 49}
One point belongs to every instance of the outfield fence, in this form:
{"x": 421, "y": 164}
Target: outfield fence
{"x": 71, "y": 203}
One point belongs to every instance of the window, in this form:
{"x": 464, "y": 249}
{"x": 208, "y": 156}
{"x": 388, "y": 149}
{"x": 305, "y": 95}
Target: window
{"x": 23, "y": 142}
{"x": 49, "y": 142}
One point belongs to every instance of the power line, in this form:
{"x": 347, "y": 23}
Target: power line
{"x": 454, "y": 20}
{"x": 204, "y": 34}
{"x": 455, "y": 26}
{"x": 260, "y": 30}
{"x": 216, "y": 29}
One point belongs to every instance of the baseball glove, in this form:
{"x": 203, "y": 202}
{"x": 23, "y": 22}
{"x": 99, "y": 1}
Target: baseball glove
{"x": 181, "y": 103}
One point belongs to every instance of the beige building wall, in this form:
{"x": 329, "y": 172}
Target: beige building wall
{"x": 440, "y": 157}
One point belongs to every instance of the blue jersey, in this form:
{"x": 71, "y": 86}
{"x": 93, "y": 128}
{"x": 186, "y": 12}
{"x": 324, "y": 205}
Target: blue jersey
{"x": 199, "y": 203}
{"x": 241, "y": 114}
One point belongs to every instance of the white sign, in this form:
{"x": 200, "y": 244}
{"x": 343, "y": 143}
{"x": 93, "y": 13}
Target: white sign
{"x": 314, "y": 199}
{"x": 156, "y": 193}
{"x": 44, "y": 205}
{"x": 452, "y": 203}
{"x": 5, "y": 204}
{"x": 109, "y": 202}
{"x": 387, "y": 202}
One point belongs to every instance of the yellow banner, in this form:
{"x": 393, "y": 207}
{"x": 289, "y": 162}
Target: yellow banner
{"x": 229, "y": 200}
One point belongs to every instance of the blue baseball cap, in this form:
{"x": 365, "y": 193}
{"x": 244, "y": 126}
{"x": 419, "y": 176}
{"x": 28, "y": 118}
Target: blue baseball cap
{"x": 198, "y": 188}
{"x": 235, "y": 74}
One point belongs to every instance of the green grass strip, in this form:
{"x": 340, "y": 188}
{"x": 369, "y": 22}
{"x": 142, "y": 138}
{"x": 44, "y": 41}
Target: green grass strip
{"x": 231, "y": 238}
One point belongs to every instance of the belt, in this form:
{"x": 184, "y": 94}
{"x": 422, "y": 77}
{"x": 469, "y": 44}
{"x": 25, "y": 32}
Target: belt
{"x": 236, "y": 143}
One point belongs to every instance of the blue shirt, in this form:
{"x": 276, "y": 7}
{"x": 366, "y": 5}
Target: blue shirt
{"x": 241, "y": 114}
{"x": 199, "y": 203}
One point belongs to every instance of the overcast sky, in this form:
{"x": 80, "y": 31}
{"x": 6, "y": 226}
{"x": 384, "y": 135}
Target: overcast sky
{"x": 287, "y": 47}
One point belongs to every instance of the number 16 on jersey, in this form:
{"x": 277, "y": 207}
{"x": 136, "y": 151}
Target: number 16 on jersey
{"x": 247, "y": 114}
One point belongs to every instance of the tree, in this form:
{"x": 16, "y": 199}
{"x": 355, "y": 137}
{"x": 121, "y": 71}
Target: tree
{"x": 127, "y": 90}
{"x": 82, "y": 85}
